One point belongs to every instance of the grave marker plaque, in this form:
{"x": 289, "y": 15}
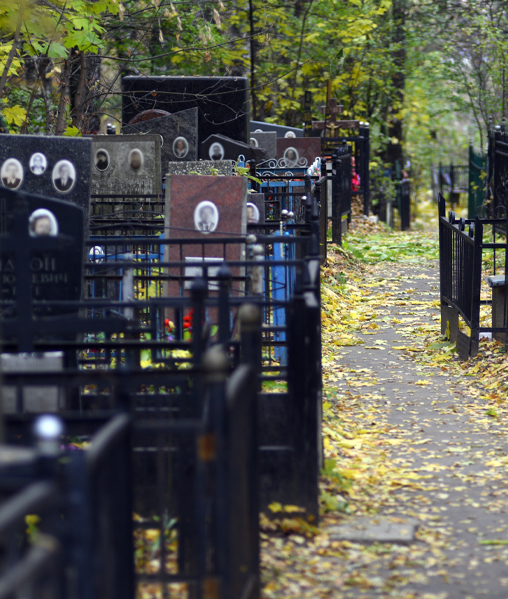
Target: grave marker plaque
{"x": 222, "y": 102}
{"x": 179, "y": 132}
{"x": 55, "y": 167}
{"x": 126, "y": 164}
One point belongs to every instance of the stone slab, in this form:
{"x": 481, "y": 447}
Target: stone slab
{"x": 179, "y": 132}
{"x": 375, "y": 530}
{"x": 223, "y": 102}
{"x": 55, "y": 167}
{"x": 33, "y": 399}
{"x": 496, "y": 281}
{"x": 280, "y": 130}
{"x": 220, "y": 147}
{"x": 266, "y": 140}
{"x": 202, "y": 167}
{"x": 298, "y": 152}
{"x": 126, "y": 164}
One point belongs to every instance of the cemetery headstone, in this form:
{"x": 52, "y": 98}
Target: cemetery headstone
{"x": 220, "y": 147}
{"x": 222, "y": 102}
{"x": 255, "y": 208}
{"x": 202, "y": 167}
{"x": 126, "y": 164}
{"x": 296, "y": 152}
{"x": 267, "y": 140}
{"x": 55, "y": 167}
{"x": 203, "y": 207}
{"x": 53, "y": 240}
{"x": 41, "y": 259}
{"x": 281, "y": 130}
{"x": 179, "y": 132}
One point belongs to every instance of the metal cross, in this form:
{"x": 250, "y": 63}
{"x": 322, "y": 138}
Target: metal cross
{"x": 330, "y": 122}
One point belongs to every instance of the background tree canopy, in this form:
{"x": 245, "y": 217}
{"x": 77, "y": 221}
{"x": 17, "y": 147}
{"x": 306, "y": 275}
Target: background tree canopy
{"x": 426, "y": 74}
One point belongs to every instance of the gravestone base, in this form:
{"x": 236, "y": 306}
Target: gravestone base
{"x": 33, "y": 399}
{"x": 375, "y": 530}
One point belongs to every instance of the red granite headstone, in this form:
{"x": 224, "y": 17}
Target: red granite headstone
{"x": 203, "y": 208}
{"x": 298, "y": 151}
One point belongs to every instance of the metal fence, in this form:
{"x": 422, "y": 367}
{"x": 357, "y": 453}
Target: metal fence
{"x": 461, "y": 244}
{"x": 360, "y": 145}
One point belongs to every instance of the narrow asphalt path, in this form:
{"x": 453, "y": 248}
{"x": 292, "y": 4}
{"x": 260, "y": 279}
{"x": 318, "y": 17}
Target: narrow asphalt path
{"x": 442, "y": 434}
{"x": 438, "y": 460}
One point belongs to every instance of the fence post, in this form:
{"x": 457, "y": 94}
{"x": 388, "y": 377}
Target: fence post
{"x": 224, "y": 278}
{"x": 366, "y": 173}
{"x": 198, "y": 294}
{"x": 213, "y": 447}
{"x": 252, "y": 172}
{"x": 336, "y": 200}
{"x": 477, "y": 283}
{"x": 249, "y": 316}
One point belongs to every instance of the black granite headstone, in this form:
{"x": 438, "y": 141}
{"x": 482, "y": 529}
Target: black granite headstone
{"x": 179, "y": 132}
{"x": 279, "y": 129}
{"x": 45, "y": 237}
{"x": 220, "y": 147}
{"x": 56, "y": 167}
{"x": 223, "y": 102}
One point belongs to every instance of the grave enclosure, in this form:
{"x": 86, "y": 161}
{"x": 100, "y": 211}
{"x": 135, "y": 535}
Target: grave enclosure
{"x": 170, "y": 315}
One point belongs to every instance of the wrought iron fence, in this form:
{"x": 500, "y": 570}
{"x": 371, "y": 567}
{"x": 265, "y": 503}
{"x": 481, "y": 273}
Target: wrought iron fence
{"x": 461, "y": 244}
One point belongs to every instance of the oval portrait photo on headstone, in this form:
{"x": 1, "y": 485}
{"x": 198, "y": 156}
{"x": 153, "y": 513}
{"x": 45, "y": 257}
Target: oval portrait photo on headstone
{"x": 38, "y": 163}
{"x": 252, "y": 213}
{"x": 12, "y": 173}
{"x": 206, "y": 217}
{"x": 42, "y": 223}
{"x": 136, "y": 160}
{"x": 64, "y": 176}
{"x": 291, "y": 157}
{"x": 180, "y": 147}
{"x": 102, "y": 160}
{"x": 216, "y": 151}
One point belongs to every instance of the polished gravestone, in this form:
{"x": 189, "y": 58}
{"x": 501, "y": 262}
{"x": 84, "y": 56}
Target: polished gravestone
{"x": 203, "y": 208}
{"x": 222, "y": 102}
{"x": 202, "y": 167}
{"x": 52, "y": 239}
{"x": 126, "y": 165}
{"x": 41, "y": 262}
{"x": 266, "y": 140}
{"x": 298, "y": 152}
{"x": 56, "y": 167}
{"x": 220, "y": 147}
{"x": 280, "y": 130}
{"x": 179, "y": 132}
{"x": 255, "y": 208}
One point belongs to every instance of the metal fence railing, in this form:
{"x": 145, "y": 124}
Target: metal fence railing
{"x": 461, "y": 245}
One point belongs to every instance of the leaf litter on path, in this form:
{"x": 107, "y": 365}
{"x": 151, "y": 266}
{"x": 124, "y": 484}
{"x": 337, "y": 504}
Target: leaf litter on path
{"x": 409, "y": 432}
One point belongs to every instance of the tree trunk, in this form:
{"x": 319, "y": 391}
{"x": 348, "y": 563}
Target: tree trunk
{"x": 84, "y": 86}
{"x": 395, "y": 130}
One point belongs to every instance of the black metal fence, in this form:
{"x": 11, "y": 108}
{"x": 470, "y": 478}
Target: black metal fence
{"x": 461, "y": 245}
{"x": 136, "y": 344}
{"x": 360, "y": 145}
